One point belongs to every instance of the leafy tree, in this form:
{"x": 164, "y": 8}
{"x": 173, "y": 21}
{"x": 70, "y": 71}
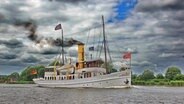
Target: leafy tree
{"x": 27, "y": 74}
{"x": 159, "y": 76}
{"x": 179, "y": 77}
{"x": 147, "y": 75}
{"x": 3, "y": 78}
{"x": 14, "y": 76}
{"x": 41, "y": 72}
{"x": 134, "y": 76}
{"x": 139, "y": 77}
{"x": 172, "y": 72}
{"x": 24, "y": 74}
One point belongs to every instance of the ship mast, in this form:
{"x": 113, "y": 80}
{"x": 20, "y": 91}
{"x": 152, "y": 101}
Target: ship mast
{"x": 62, "y": 46}
{"x": 104, "y": 43}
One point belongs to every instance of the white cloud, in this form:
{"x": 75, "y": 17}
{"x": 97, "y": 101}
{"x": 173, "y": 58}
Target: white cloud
{"x": 151, "y": 31}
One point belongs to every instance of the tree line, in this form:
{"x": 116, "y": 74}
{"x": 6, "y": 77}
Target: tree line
{"x": 172, "y": 77}
{"x": 25, "y": 76}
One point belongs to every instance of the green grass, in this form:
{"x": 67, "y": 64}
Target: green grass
{"x": 21, "y": 82}
{"x": 158, "y": 82}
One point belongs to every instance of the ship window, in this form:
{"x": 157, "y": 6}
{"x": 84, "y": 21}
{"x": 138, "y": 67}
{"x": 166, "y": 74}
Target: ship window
{"x": 89, "y": 74}
{"x": 69, "y": 77}
{"x": 85, "y": 75}
{"x": 94, "y": 74}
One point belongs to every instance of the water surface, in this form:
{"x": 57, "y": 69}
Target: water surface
{"x": 31, "y": 94}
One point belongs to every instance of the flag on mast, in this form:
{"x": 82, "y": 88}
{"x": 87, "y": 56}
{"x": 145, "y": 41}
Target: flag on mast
{"x": 91, "y": 48}
{"x": 58, "y": 27}
{"x": 127, "y": 55}
{"x": 33, "y": 71}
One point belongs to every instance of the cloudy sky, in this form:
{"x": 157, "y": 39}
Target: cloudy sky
{"x": 151, "y": 29}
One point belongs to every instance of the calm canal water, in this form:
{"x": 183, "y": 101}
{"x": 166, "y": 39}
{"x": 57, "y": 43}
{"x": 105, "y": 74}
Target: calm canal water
{"x": 30, "y": 94}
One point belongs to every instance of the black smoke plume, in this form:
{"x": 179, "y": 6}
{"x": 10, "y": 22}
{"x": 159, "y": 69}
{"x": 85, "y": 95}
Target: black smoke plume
{"x": 31, "y": 27}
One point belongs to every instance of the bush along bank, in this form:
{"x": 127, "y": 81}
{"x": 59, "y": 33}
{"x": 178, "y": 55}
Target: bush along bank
{"x": 172, "y": 77}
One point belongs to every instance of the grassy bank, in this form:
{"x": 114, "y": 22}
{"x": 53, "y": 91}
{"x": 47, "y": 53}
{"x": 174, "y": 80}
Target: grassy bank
{"x": 21, "y": 82}
{"x": 156, "y": 82}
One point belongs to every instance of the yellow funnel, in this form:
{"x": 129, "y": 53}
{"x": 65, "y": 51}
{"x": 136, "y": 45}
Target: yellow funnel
{"x": 80, "y": 55}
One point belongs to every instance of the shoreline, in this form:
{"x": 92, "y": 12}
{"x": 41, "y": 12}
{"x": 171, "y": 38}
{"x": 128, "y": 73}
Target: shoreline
{"x": 172, "y": 83}
{"x": 19, "y": 82}
{"x": 132, "y": 86}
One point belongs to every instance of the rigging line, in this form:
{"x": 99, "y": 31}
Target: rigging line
{"x": 115, "y": 43}
{"x": 84, "y": 30}
{"x": 88, "y": 38}
{"x": 101, "y": 49}
{"x": 108, "y": 50}
{"x": 94, "y": 36}
{"x": 92, "y": 27}
{"x": 101, "y": 43}
{"x": 98, "y": 45}
{"x": 59, "y": 49}
{"x": 94, "y": 40}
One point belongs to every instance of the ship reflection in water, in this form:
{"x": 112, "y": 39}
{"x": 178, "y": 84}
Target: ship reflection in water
{"x": 30, "y": 94}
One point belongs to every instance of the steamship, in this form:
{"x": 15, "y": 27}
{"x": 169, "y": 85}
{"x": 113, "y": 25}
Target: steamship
{"x": 85, "y": 73}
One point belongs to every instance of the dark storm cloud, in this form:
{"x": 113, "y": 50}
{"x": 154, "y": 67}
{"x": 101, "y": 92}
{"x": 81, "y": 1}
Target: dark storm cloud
{"x": 30, "y": 26}
{"x": 10, "y": 12}
{"x": 12, "y": 43}
{"x": 30, "y": 59}
{"x": 7, "y": 55}
{"x": 1, "y": 16}
{"x": 70, "y": 1}
{"x": 48, "y": 51}
{"x": 155, "y": 6}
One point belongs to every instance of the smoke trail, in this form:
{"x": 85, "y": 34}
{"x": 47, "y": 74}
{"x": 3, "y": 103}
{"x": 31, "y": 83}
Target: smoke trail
{"x": 32, "y": 27}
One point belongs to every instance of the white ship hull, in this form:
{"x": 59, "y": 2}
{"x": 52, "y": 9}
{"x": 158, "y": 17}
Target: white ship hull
{"x": 113, "y": 80}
